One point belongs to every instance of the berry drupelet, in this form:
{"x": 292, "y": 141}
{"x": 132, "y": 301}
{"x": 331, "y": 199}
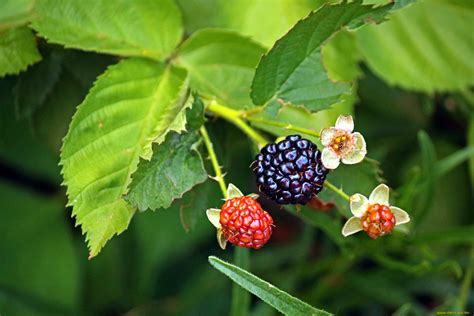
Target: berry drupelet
{"x": 290, "y": 172}
{"x": 244, "y": 223}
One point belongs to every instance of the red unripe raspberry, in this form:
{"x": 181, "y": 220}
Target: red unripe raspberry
{"x": 378, "y": 220}
{"x": 244, "y": 222}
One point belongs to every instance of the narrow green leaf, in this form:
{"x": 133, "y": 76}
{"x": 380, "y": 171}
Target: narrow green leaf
{"x": 427, "y": 189}
{"x": 470, "y": 141}
{"x": 450, "y": 162}
{"x": 140, "y": 28}
{"x": 176, "y": 166}
{"x": 17, "y": 50}
{"x": 432, "y": 48}
{"x": 240, "y": 303}
{"x": 132, "y": 104}
{"x": 14, "y": 13}
{"x": 280, "y": 300}
{"x": 292, "y": 71}
{"x": 221, "y": 65}
{"x": 36, "y": 84}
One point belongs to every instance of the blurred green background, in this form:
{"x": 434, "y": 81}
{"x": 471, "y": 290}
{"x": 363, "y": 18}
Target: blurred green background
{"x": 419, "y": 131}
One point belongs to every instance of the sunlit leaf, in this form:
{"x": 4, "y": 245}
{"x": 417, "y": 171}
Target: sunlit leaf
{"x": 221, "y": 65}
{"x": 140, "y": 28}
{"x": 292, "y": 71}
{"x": 14, "y": 13}
{"x": 17, "y": 50}
{"x": 132, "y": 104}
{"x": 423, "y": 47}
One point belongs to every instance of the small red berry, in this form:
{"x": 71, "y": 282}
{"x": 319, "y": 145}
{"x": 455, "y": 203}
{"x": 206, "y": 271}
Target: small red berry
{"x": 378, "y": 221}
{"x": 244, "y": 222}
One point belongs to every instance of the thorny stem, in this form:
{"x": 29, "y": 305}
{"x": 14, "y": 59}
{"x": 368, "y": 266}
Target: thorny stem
{"x": 233, "y": 117}
{"x": 240, "y": 297}
{"x": 215, "y": 164}
{"x": 337, "y": 190}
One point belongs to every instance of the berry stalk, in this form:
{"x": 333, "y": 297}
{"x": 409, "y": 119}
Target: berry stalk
{"x": 233, "y": 117}
{"x": 341, "y": 193}
{"x": 215, "y": 164}
{"x": 240, "y": 298}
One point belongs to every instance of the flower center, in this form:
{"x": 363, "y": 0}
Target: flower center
{"x": 378, "y": 220}
{"x": 341, "y": 142}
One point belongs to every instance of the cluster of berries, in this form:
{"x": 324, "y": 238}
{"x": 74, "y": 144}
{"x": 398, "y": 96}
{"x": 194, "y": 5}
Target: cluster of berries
{"x": 290, "y": 171}
{"x": 293, "y": 171}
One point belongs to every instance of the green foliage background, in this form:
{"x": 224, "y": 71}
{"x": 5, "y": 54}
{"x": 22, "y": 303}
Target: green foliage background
{"x": 101, "y": 104}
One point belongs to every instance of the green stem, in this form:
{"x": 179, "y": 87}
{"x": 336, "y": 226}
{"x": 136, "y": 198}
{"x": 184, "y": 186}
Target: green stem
{"x": 233, "y": 117}
{"x": 240, "y": 303}
{"x": 240, "y": 297}
{"x": 215, "y": 164}
{"x": 337, "y": 190}
{"x": 283, "y": 125}
{"x": 466, "y": 283}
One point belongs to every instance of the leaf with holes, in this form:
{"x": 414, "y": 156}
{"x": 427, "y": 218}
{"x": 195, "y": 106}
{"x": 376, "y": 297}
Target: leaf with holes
{"x": 140, "y": 28}
{"x": 131, "y": 104}
{"x": 176, "y": 167}
{"x": 292, "y": 71}
{"x": 221, "y": 65}
{"x": 17, "y": 51}
{"x": 424, "y": 47}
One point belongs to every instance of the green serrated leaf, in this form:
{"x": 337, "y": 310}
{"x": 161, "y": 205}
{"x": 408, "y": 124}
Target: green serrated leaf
{"x": 14, "y": 13}
{"x": 280, "y": 300}
{"x": 173, "y": 170}
{"x": 34, "y": 86}
{"x": 195, "y": 115}
{"x": 140, "y": 28}
{"x": 17, "y": 50}
{"x": 131, "y": 104}
{"x": 221, "y": 65}
{"x": 423, "y": 47}
{"x": 292, "y": 71}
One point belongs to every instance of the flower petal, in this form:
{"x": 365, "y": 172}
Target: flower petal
{"x": 359, "y": 204}
{"x": 327, "y": 135}
{"x": 352, "y": 226}
{"x": 214, "y": 215}
{"x": 233, "y": 191}
{"x": 359, "y": 151}
{"x": 330, "y": 159}
{"x": 254, "y": 196}
{"x": 401, "y": 217}
{"x": 221, "y": 239}
{"x": 345, "y": 123}
{"x": 380, "y": 195}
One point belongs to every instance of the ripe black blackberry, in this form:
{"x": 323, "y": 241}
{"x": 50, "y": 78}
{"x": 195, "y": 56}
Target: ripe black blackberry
{"x": 291, "y": 171}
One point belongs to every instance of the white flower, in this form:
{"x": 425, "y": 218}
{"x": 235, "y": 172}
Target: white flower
{"x": 341, "y": 144}
{"x": 374, "y": 215}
